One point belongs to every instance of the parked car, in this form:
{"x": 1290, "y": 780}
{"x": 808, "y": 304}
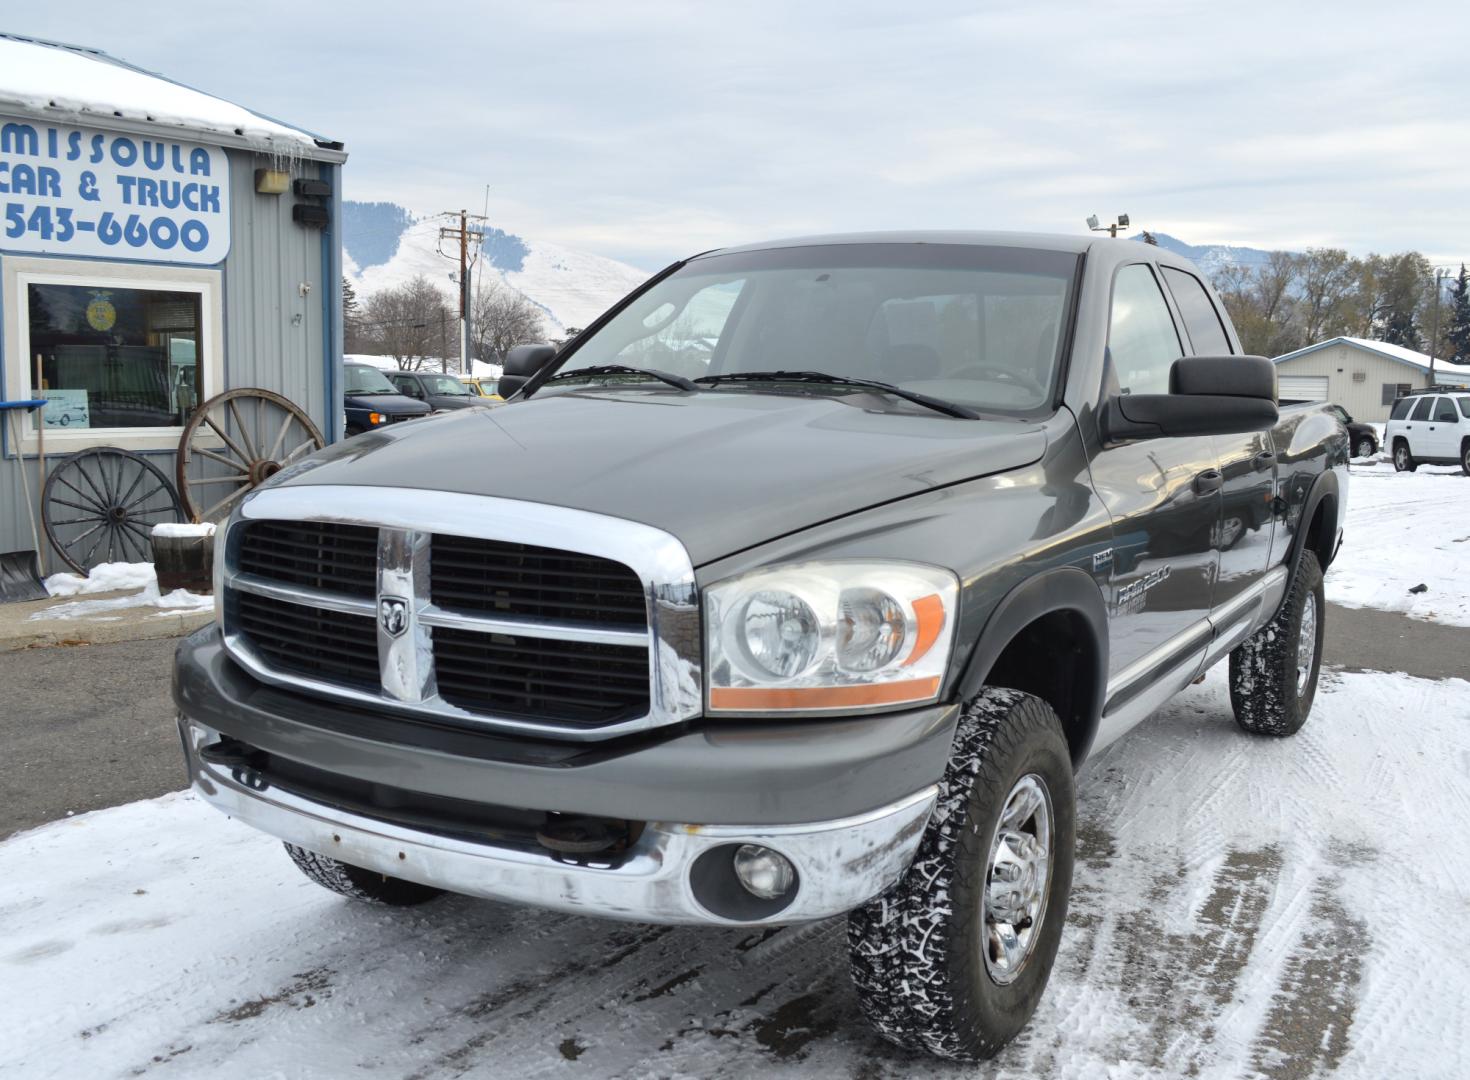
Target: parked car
{"x": 371, "y": 401}
{"x": 482, "y": 387}
{"x": 437, "y": 390}
{"x": 1363, "y": 438}
{"x": 1430, "y": 428}
{"x": 826, "y": 631}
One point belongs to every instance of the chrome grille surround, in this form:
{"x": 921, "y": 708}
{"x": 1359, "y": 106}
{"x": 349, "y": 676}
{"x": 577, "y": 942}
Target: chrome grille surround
{"x": 406, "y": 519}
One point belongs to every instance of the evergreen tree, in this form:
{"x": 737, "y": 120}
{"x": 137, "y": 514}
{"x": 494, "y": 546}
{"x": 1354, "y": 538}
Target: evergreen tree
{"x": 351, "y": 316}
{"x": 1458, "y": 336}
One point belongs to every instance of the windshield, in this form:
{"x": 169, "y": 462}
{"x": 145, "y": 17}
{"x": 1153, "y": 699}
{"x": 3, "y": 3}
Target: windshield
{"x": 366, "y": 380}
{"x": 980, "y": 326}
{"x": 448, "y": 385}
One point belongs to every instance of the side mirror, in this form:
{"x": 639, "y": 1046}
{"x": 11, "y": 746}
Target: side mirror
{"x": 520, "y": 364}
{"x": 1208, "y": 395}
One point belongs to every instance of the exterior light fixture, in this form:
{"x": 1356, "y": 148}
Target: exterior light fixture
{"x": 272, "y": 182}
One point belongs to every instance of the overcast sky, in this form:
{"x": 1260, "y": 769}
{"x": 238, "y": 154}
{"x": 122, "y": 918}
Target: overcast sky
{"x": 646, "y": 130}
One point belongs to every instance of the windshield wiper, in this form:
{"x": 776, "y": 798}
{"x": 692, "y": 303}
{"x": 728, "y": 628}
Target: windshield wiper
{"x": 949, "y": 408}
{"x": 624, "y": 369}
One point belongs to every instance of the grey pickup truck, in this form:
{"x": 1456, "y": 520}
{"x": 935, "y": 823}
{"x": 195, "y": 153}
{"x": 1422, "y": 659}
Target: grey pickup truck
{"x": 797, "y": 586}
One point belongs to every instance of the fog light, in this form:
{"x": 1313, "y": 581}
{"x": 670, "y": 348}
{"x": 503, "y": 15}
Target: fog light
{"x": 764, "y": 873}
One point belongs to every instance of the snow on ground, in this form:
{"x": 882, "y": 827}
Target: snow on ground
{"x": 1404, "y": 530}
{"x": 1241, "y": 907}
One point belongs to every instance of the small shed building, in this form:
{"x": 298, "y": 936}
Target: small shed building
{"x": 1362, "y": 376}
{"x": 157, "y": 246}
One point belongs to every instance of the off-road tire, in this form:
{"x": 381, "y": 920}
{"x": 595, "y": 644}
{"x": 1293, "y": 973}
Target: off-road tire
{"x": 916, "y": 951}
{"x": 354, "y": 882}
{"x": 1403, "y": 460}
{"x": 1264, "y": 691}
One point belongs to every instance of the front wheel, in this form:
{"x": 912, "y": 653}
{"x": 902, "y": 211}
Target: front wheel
{"x": 355, "y": 883}
{"x": 1403, "y": 461}
{"x": 1465, "y": 458}
{"x": 954, "y": 958}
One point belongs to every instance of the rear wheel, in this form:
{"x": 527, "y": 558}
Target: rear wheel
{"x": 1273, "y": 675}
{"x": 367, "y": 886}
{"x": 1365, "y": 448}
{"x": 1465, "y": 457}
{"x": 1403, "y": 461}
{"x": 955, "y": 957}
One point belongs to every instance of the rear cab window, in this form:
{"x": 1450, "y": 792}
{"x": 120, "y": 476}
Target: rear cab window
{"x": 1201, "y": 320}
{"x": 1401, "y": 409}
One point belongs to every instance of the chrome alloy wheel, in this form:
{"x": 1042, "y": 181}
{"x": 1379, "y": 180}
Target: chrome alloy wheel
{"x": 1017, "y": 879}
{"x": 1306, "y": 643}
{"x": 1401, "y": 457}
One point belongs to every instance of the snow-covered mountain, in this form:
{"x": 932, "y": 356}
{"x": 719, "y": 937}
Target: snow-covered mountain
{"x": 385, "y": 245}
{"x": 1212, "y": 258}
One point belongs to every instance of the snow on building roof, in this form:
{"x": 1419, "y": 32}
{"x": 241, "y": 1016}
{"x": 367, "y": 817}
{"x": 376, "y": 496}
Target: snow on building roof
{"x": 1444, "y": 371}
{"x": 73, "y": 83}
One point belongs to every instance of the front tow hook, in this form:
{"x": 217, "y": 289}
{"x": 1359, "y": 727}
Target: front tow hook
{"x": 245, "y": 762}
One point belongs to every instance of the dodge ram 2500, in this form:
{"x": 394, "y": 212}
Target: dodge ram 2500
{"x": 798, "y": 586}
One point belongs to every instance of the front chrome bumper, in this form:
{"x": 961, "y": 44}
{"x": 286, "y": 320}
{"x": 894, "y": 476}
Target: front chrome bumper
{"x": 840, "y": 864}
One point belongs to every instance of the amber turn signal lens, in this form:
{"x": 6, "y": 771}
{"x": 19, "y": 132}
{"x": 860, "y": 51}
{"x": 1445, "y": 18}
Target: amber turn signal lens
{"x": 929, "y": 613}
{"x": 822, "y": 697}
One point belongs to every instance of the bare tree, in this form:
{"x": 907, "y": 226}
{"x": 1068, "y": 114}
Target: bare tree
{"x": 407, "y": 323}
{"x": 502, "y": 319}
{"x": 1329, "y": 280}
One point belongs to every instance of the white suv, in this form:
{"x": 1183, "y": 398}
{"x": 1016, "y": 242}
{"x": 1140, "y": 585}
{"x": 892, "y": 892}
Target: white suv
{"x": 1430, "y": 429}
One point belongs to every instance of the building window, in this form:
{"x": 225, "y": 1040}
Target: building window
{"x": 115, "y": 358}
{"x": 121, "y": 353}
{"x": 1393, "y": 391}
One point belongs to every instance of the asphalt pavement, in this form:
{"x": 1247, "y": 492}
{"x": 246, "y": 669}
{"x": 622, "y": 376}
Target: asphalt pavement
{"x": 84, "y": 727}
{"x": 89, "y": 726}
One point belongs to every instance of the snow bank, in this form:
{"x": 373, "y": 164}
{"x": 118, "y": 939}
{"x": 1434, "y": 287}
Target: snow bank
{"x": 112, "y": 577}
{"x": 1241, "y": 907}
{"x": 107, "y": 577}
{"x": 1404, "y": 530}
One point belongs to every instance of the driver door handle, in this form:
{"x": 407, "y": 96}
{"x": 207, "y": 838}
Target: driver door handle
{"x": 1264, "y": 459}
{"x": 1208, "y": 481}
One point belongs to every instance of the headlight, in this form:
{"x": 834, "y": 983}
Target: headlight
{"x": 824, "y": 637}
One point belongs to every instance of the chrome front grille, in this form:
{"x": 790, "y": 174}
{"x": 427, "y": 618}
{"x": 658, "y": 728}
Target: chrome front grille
{"x": 485, "y": 611}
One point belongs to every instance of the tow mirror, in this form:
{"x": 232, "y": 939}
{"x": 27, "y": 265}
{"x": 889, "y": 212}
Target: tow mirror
{"x": 1208, "y": 395}
{"x": 520, "y": 364}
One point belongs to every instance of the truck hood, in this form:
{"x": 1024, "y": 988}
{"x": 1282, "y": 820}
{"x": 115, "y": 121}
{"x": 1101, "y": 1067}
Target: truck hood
{"x": 721, "y": 471}
{"x": 392, "y": 404}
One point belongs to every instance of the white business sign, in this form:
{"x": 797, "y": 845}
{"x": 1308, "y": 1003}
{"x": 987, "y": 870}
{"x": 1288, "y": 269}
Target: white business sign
{"x": 74, "y": 191}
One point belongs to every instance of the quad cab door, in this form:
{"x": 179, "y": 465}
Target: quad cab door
{"x": 1164, "y": 495}
{"x": 1247, "y": 465}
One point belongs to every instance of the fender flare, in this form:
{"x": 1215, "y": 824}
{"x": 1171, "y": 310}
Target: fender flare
{"x": 1327, "y": 484}
{"x": 1067, "y": 589}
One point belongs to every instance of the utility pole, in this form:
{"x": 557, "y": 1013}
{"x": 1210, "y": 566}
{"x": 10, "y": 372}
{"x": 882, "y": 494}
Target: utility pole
{"x": 1440, "y": 273}
{"x": 465, "y": 237}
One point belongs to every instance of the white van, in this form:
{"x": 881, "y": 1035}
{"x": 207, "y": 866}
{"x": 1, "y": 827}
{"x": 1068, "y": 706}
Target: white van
{"x": 1430, "y": 429}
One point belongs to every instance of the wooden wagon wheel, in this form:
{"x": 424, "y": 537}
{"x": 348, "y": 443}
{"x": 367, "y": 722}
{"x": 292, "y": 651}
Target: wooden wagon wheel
{"x": 100, "y": 505}
{"x": 236, "y": 441}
